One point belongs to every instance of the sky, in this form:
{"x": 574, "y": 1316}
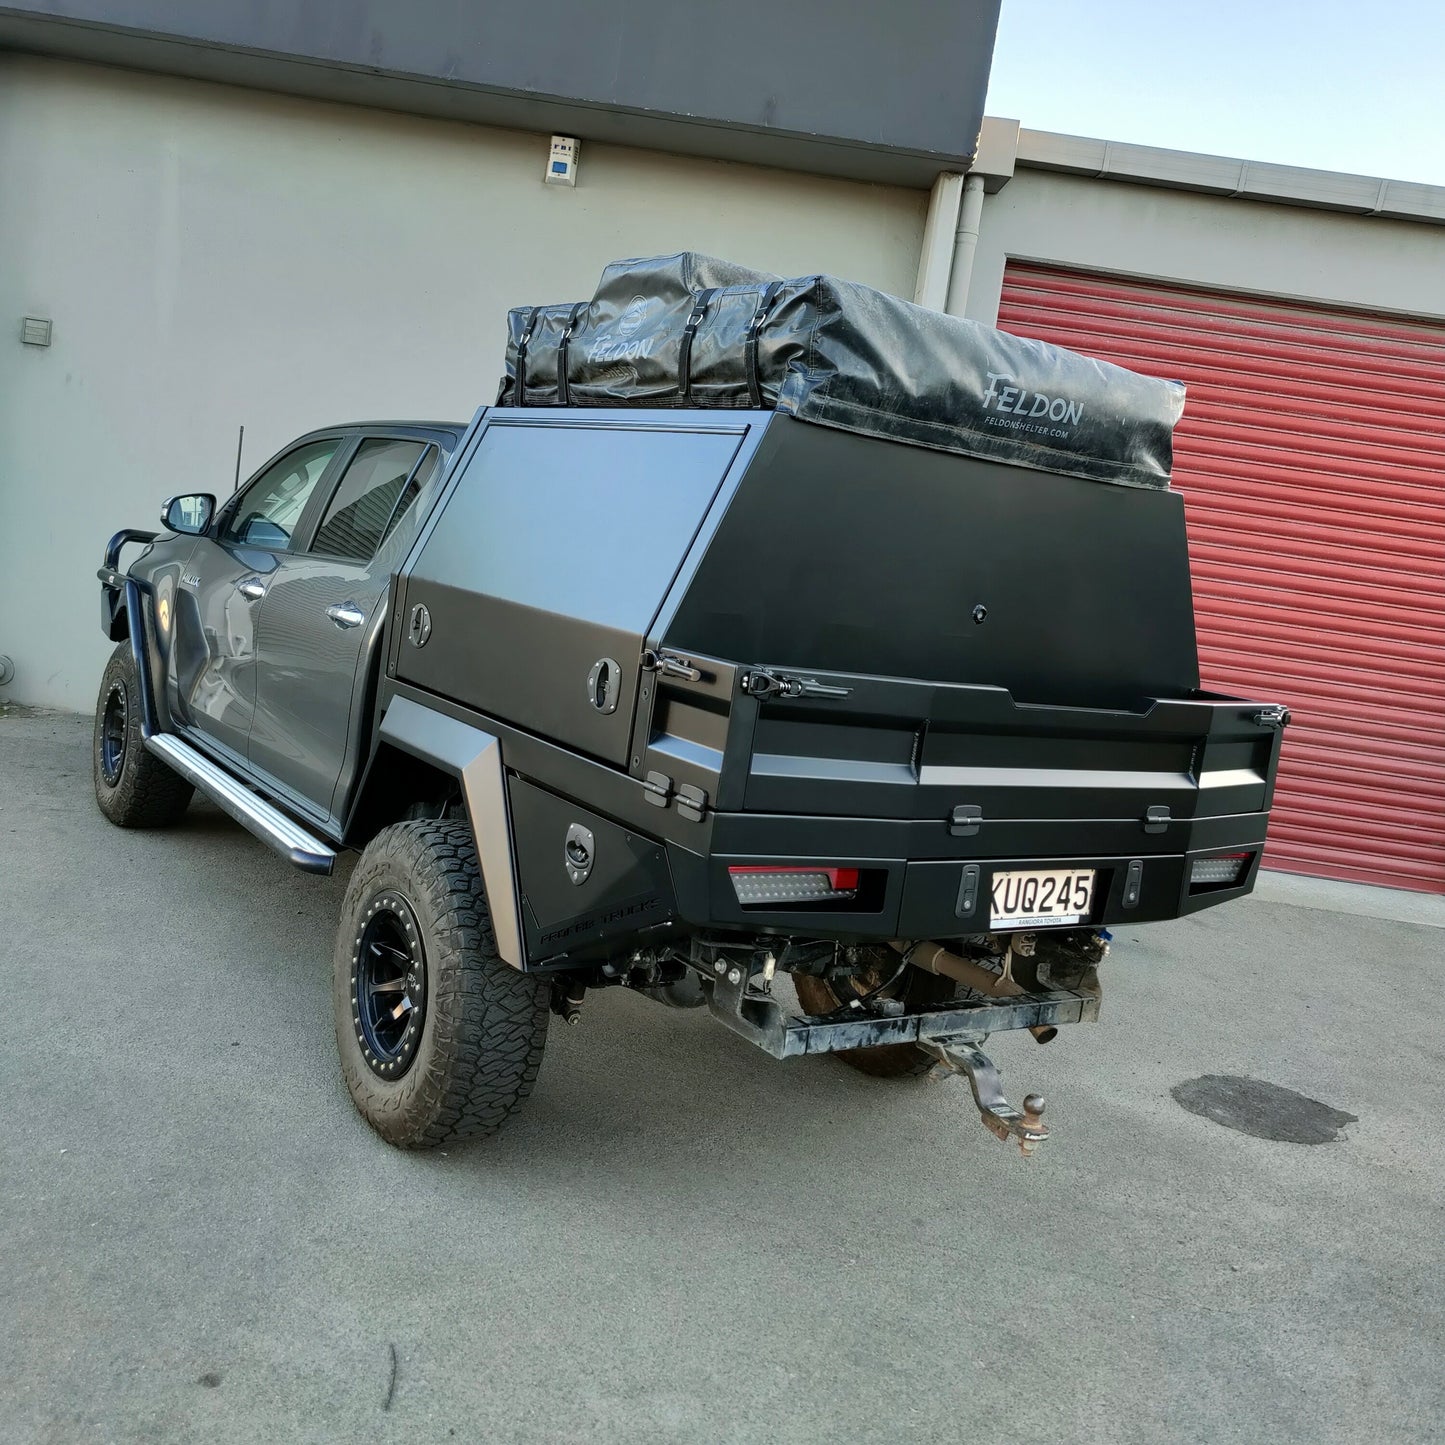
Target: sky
{"x": 1334, "y": 85}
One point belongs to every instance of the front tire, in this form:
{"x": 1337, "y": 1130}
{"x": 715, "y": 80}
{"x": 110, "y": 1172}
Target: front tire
{"x": 134, "y": 788}
{"x": 439, "y": 1039}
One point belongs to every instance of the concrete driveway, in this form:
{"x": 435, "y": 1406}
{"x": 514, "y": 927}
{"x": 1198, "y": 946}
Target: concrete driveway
{"x": 680, "y": 1239}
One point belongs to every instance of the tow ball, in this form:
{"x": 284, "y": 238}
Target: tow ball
{"x": 999, "y": 1116}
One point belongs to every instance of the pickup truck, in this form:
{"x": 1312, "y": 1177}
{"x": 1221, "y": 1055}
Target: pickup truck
{"x": 862, "y": 745}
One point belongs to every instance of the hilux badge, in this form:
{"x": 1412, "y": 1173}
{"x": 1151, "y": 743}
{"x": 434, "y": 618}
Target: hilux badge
{"x": 419, "y": 629}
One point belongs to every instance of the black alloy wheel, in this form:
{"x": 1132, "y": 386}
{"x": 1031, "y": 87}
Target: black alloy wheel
{"x": 133, "y": 787}
{"x": 438, "y": 1037}
{"x": 389, "y": 985}
{"x": 114, "y": 723}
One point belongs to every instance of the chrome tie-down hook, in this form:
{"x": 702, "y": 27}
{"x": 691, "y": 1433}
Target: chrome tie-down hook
{"x": 999, "y": 1116}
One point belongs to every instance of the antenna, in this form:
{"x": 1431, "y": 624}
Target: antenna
{"x": 240, "y": 440}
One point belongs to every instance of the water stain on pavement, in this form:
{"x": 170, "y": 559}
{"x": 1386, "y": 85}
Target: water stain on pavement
{"x": 1266, "y": 1111}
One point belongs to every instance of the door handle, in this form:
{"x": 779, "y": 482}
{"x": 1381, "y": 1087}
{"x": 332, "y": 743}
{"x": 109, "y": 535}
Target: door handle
{"x": 253, "y": 589}
{"x": 346, "y": 614}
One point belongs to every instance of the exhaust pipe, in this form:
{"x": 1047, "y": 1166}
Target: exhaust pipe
{"x": 934, "y": 958}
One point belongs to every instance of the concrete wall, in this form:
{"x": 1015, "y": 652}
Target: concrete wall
{"x": 1363, "y": 262}
{"x": 212, "y": 256}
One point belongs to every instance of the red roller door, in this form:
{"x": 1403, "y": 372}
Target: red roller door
{"x": 1312, "y": 462}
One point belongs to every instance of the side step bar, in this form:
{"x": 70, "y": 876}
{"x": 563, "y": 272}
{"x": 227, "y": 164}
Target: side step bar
{"x": 254, "y": 813}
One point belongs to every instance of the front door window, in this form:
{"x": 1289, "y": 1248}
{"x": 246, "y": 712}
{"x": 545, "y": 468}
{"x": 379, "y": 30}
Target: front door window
{"x": 269, "y": 509}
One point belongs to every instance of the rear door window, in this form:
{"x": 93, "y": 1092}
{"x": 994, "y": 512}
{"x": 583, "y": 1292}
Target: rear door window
{"x": 382, "y": 481}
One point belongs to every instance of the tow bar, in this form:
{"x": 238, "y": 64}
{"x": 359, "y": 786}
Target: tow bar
{"x": 998, "y": 1115}
{"x": 739, "y": 993}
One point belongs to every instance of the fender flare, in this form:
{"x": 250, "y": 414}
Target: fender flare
{"x": 474, "y": 758}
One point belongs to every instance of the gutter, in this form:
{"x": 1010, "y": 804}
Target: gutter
{"x": 1354, "y": 195}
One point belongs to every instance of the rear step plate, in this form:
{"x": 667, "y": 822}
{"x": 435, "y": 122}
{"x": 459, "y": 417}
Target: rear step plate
{"x": 268, "y": 823}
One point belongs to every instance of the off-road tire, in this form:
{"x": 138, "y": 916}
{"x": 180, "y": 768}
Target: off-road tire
{"x": 483, "y": 1024}
{"x": 918, "y": 990}
{"x": 134, "y": 788}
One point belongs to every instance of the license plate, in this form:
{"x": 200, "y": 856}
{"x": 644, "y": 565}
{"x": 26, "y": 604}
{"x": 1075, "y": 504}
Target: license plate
{"x": 1042, "y": 898}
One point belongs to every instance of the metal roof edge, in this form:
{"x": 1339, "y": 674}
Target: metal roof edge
{"x": 1044, "y": 150}
{"x": 454, "y": 98}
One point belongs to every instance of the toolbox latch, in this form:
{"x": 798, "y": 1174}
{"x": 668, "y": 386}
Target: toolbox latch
{"x": 763, "y": 685}
{"x": 1133, "y": 882}
{"x": 670, "y": 665}
{"x": 967, "y": 892}
{"x": 1156, "y": 820}
{"x": 965, "y": 820}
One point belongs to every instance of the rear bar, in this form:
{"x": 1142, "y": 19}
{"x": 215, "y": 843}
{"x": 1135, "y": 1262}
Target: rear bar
{"x": 761, "y": 1020}
{"x": 948, "y": 897}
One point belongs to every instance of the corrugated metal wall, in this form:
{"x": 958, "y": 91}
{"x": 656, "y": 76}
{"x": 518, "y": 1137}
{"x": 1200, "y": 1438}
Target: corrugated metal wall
{"x": 1312, "y": 461}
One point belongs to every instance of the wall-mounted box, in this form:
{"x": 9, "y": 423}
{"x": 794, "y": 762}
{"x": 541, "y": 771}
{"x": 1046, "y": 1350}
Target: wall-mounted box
{"x": 562, "y": 161}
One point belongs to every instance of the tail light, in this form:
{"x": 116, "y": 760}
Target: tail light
{"x": 1220, "y": 871}
{"x": 759, "y": 885}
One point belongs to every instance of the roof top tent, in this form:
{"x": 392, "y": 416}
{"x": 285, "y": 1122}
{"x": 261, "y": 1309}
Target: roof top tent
{"x": 694, "y": 332}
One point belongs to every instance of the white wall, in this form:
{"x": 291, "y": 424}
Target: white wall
{"x": 212, "y": 256}
{"x": 1367, "y": 263}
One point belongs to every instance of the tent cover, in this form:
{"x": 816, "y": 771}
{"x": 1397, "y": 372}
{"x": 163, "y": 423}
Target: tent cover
{"x": 692, "y": 331}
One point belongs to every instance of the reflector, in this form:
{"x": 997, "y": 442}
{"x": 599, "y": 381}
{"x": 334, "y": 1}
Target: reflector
{"x": 762, "y": 883}
{"x": 1226, "y": 868}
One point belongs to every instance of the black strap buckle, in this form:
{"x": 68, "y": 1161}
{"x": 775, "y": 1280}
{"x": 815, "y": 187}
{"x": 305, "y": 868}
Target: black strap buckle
{"x": 563, "y": 395}
{"x": 750, "y": 345}
{"x": 519, "y": 385}
{"x": 684, "y": 355}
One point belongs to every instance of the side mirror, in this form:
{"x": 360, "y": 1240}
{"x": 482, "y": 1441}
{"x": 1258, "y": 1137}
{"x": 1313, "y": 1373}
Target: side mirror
{"x": 189, "y": 515}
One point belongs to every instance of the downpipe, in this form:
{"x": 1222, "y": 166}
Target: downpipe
{"x": 970, "y": 220}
